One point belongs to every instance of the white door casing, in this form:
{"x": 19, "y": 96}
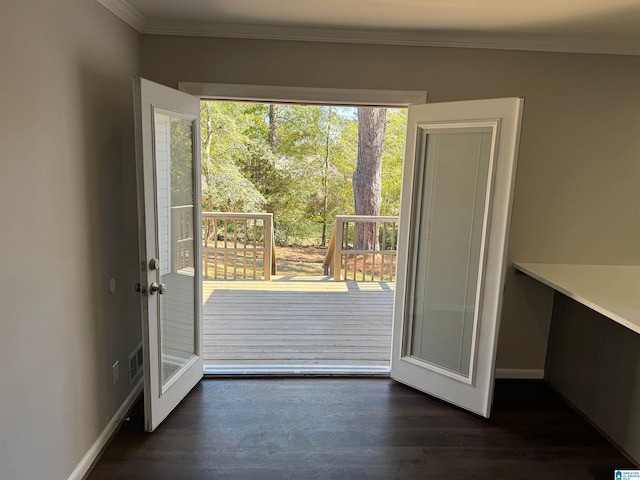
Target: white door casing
{"x": 457, "y": 189}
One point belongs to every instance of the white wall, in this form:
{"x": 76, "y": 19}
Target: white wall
{"x": 68, "y": 224}
{"x": 577, "y": 198}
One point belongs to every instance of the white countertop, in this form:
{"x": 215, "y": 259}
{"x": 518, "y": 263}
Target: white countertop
{"x": 611, "y": 290}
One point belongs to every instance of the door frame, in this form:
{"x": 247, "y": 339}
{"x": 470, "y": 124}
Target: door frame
{"x": 304, "y": 96}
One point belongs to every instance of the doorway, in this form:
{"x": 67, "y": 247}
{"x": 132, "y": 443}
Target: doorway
{"x": 461, "y": 159}
{"x": 319, "y": 325}
{"x": 298, "y": 277}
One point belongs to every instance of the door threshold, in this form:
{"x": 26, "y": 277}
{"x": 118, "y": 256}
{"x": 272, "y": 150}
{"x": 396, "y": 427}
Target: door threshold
{"x": 297, "y": 370}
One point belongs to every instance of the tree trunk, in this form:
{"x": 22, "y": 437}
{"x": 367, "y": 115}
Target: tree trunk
{"x": 325, "y": 180}
{"x": 209, "y": 136}
{"x": 367, "y": 177}
{"x": 274, "y": 112}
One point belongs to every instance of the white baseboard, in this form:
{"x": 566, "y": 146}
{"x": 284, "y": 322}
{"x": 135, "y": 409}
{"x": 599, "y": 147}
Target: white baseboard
{"x": 87, "y": 461}
{"x": 520, "y": 373}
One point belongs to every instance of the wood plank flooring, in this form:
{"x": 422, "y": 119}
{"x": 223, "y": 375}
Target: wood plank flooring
{"x": 358, "y": 428}
{"x": 299, "y": 323}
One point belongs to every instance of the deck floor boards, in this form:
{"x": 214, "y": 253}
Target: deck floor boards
{"x": 309, "y": 322}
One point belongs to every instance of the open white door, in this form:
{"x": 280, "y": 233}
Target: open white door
{"x": 457, "y": 189}
{"x": 169, "y": 226}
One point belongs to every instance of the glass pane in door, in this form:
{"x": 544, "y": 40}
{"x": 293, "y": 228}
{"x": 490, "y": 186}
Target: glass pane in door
{"x": 450, "y": 199}
{"x": 173, "y": 143}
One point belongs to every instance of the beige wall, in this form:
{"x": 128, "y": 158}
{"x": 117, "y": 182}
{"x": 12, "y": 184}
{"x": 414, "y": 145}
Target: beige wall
{"x": 577, "y": 198}
{"x": 68, "y": 224}
{"x": 67, "y": 191}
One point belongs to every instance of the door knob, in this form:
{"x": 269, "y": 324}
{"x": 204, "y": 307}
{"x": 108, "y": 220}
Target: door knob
{"x": 157, "y": 287}
{"x": 154, "y": 264}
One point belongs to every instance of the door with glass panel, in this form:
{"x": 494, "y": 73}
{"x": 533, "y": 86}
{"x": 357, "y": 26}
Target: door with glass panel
{"x": 169, "y": 226}
{"x": 457, "y": 189}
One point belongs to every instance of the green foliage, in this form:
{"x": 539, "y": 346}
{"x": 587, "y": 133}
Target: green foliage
{"x": 392, "y": 159}
{"x": 224, "y": 145}
{"x": 227, "y": 190}
{"x": 181, "y": 148}
{"x": 302, "y": 172}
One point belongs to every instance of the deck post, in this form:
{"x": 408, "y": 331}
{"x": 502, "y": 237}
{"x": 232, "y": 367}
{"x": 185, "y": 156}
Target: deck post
{"x": 267, "y": 259}
{"x": 337, "y": 252}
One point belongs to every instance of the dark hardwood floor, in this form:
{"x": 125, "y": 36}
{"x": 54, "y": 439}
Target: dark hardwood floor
{"x": 358, "y": 428}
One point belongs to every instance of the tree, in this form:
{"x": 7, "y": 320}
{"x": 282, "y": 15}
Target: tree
{"x": 367, "y": 179}
{"x": 224, "y": 188}
{"x": 294, "y": 161}
{"x": 392, "y": 160}
{"x": 303, "y": 137}
{"x": 325, "y": 181}
{"x": 181, "y": 162}
{"x": 274, "y": 111}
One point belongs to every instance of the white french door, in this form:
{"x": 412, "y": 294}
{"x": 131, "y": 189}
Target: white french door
{"x": 169, "y": 226}
{"x": 457, "y": 191}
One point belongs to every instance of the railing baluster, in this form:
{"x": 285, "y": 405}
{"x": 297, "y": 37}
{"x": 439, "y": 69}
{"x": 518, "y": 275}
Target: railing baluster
{"x": 255, "y": 234}
{"x": 266, "y": 256}
{"x": 392, "y": 268}
{"x": 383, "y": 258}
{"x": 388, "y": 259}
{"x": 355, "y": 263}
{"x": 244, "y": 245}
{"x": 235, "y": 248}
{"x": 215, "y": 257}
{"x": 224, "y": 252}
{"x": 346, "y": 246}
{"x": 254, "y": 264}
{"x": 373, "y": 266}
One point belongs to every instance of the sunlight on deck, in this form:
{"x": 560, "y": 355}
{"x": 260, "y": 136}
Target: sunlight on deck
{"x": 306, "y": 323}
{"x": 288, "y": 283}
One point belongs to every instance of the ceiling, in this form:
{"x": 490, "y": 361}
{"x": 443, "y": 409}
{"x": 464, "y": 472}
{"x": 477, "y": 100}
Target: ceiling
{"x": 592, "y": 26}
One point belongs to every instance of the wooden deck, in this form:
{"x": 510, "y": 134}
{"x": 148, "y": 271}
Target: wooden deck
{"x": 297, "y": 325}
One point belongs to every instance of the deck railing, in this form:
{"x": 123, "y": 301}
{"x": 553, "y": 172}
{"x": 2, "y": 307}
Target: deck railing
{"x": 238, "y": 246}
{"x": 363, "y": 248}
{"x": 181, "y": 237}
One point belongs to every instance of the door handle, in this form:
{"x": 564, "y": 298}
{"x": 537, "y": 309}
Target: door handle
{"x": 157, "y": 287}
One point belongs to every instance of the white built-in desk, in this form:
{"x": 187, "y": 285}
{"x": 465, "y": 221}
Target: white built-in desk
{"x": 611, "y": 290}
{"x": 591, "y": 361}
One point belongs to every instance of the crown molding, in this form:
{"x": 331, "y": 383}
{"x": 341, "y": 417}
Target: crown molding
{"x": 489, "y": 40}
{"x": 126, "y": 12}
